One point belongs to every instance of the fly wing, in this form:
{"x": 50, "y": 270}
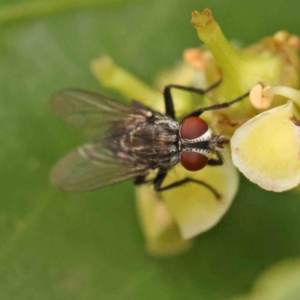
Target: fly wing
{"x": 88, "y": 111}
{"x": 89, "y": 167}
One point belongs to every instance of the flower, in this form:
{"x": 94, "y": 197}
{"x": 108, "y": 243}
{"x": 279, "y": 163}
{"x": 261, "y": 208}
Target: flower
{"x": 266, "y": 149}
{"x": 167, "y": 221}
{"x": 170, "y": 219}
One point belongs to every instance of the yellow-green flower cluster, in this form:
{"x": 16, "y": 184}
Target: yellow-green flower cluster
{"x": 265, "y": 128}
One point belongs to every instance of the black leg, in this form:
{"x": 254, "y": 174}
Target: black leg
{"x": 157, "y": 182}
{"x": 186, "y": 180}
{"x": 216, "y": 161}
{"x": 169, "y": 105}
{"x": 139, "y": 180}
{"x": 142, "y": 180}
{"x": 199, "y": 111}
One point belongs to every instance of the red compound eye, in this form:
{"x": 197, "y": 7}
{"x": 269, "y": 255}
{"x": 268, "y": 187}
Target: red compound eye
{"x": 193, "y": 161}
{"x": 193, "y": 127}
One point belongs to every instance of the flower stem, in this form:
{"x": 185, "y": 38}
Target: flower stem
{"x": 284, "y": 91}
{"x": 209, "y": 31}
{"x": 112, "y": 76}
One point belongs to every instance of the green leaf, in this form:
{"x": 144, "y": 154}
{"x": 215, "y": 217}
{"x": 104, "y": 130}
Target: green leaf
{"x": 54, "y": 245}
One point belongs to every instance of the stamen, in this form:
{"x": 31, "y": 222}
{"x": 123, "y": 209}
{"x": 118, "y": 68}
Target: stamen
{"x": 258, "y": 97}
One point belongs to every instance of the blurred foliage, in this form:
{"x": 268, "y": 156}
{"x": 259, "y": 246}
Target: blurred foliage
{"x": 278, "y": 282}
{"x": 60, "y": 246}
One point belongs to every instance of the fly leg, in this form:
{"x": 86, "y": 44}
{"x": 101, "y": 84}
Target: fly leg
{"x": 216, "y": 161}
{"x": 157, "y": 182}
{"x": 140, "y": 180}
{"x": 160, "y": 178}
{"x": 169, "y": 105}
{"x": 199, "y": 111}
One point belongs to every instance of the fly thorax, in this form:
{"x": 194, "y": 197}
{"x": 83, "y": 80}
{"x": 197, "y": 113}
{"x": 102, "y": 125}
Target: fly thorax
{"x": 167, "y": 123}
{"x": 152, "y": 138}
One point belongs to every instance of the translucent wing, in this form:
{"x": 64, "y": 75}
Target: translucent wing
{"x": 89, "y": 167}
{"x": 88, "y": 111}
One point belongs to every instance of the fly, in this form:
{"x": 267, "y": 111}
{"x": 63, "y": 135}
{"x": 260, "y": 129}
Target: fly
{"x": 129, "y": 141}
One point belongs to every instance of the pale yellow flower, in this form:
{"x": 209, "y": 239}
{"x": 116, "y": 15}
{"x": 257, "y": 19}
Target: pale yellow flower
{"x": 172, "y": 218}
{"x": 266, "y": 149}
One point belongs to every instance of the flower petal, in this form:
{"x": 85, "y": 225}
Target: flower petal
{"x": 193, "y": 207}
{"x": 266, "y": 148}
{"x": 160, "y": 231}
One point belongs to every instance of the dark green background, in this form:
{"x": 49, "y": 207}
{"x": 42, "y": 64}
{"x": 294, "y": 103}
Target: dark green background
{"x": 59, "y": 246}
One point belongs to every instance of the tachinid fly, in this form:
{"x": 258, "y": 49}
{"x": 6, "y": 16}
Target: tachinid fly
{"x": 128, "y": 141}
